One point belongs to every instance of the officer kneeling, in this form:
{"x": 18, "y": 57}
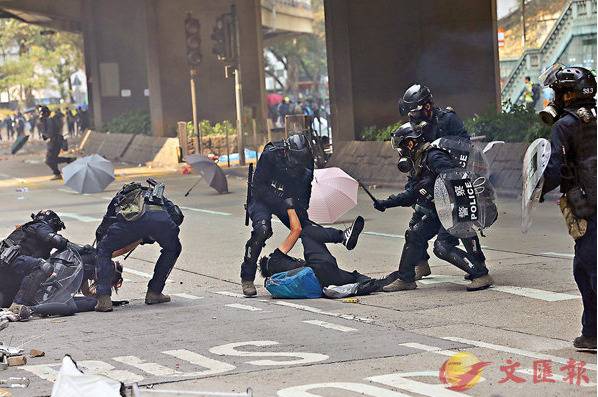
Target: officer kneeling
{"x": 138, "y": 215}
{"x": 23, "y": 259}
{"x": 572, "y": 165}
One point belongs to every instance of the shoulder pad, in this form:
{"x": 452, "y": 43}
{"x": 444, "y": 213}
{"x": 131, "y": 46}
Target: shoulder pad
{"x": 586, "y": 115}
{"x": 449, "y": 109}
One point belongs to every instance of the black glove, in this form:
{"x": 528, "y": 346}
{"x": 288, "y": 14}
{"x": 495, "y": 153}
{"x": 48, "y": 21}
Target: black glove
{"x": 380, "y": 205}
{"x": 289, "y": 203}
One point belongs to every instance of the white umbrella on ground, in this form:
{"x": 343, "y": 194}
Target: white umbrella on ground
{"x": 333, "y": 194}
{"x": 90, "y": 174}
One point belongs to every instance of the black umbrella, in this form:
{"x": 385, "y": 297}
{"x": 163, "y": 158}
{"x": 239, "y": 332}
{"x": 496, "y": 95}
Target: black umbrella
{"x": 19, "y": 143}
{"x": 208, "y": 171}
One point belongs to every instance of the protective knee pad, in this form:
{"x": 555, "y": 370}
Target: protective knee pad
{"x": 441, "y": 249}
{"x": 413, "y": 237}
{"x": 261, "y": 232}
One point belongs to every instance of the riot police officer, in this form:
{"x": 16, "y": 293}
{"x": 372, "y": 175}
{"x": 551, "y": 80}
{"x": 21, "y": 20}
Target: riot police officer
{"x": 427, "y": 162}
{"x": 572, "y": 165}
{"x": 282, "y": 181}
{"x": 418, "y": 104}
{"x": 50, "y": 129}
{"x": 23, "y": 258}
{"x": 138, "y": 215}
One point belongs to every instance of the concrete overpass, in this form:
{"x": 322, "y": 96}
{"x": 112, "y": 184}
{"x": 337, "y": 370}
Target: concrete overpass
{"x": 135, "y": 54}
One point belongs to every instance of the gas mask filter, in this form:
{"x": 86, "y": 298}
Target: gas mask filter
{"x": 549, "y": 114}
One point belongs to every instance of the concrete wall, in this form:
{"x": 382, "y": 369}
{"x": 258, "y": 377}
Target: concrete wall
{"x": 378, "y": 48}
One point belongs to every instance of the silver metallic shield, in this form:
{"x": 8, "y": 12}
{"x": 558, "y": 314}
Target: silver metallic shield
{"x": 535, "y": 162}
{"x": 468, "y": 156}
{"x": 465, "y": 202}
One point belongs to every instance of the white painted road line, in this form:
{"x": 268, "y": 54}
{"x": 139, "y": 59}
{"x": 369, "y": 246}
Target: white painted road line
{"x": 533, "y": 293}
{"x": 512, "y": 350}
{"x": 80, "y": 218}
{"x": 206, "y": 211}
{"x": 328, "y": 325}
{"x": 228, "y": 293}
{"x": 141, "y": 274}
{"x": 243, "y": 307}
{"x": 558, "y": 254}
{"x": 187, "y": 296}
{"x": 324, "y": 313}
{"x": 385, "y": 235}
{"x": 427, "y": 348}
{"x": 150, "y": 368}
{"x": 548, "y": 296}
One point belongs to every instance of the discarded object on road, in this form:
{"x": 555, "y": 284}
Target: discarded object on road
{"x": 7, "y": 352}
{"x": 209, "y": 171}
{"x": 333, "y": 194}
{"x": 535, "y": 162}
{"x": 36, "y": 353}
{"x": 14, "y": 383}
{"x": 16, "y": 361}
{"x": 90, "y": 174}
{"x": 300, "y": 283}
{"x": 72, "y": 382}
{"x": 19, "y": 143}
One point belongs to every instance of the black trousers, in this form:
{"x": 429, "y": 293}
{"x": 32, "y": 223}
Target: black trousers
{"x": 52, "y": 155}
{"x": 584, "y": 272}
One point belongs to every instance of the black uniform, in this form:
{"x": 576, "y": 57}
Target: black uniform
{"x": 21, "y": 278}
{"x": 578, "y": 138}
{"x": 428, "y": 164}
{"x": 50, "y": 130}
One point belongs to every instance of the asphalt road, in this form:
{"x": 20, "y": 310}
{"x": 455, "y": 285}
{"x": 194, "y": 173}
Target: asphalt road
{"x": 210, "y": 338}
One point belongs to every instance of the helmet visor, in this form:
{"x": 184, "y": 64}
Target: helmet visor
{"x": 396, "y": 141}
{"x": 549, "y": 75}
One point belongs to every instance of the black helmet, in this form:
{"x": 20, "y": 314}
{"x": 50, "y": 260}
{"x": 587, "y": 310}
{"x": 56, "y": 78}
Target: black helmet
{"x": 298, "y": 150}
{"x": 44, "y": 111}
{"x": 415, "y": 96}
{"x": 564, "y": 79}
{"x": 51, "y": 218}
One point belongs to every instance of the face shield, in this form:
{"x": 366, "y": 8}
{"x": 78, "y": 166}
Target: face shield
{"x": 548, "y": 77}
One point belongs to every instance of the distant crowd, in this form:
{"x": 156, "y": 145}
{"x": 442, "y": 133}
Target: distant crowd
{"x": 280, "y": 106}
{"x": 71, "y": 121}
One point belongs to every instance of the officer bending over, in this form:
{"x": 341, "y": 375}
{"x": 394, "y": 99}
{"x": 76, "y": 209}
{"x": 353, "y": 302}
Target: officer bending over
{"x": 138, "y": 214}
{"x": 282, "y": 181}
{"x": 23, "y": 259}
{"x": 572, "y": 165}
{"x": 435, "y": 122}
{"x": 428, "y": 162}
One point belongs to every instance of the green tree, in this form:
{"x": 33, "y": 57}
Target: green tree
{"x": 34, "y": 57}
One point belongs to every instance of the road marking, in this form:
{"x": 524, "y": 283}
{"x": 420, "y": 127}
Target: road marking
{"x": 513, "y": 350}
{"x": 213, "y": 366}
{"x": 426, "y": 348}
{"x": 140, "y": 273}
{"x": 80, "y": 218}
{"x": 548, "y": 296}
{"x": 187, "y": 296}
{"x": 325, "y": 324}
{"x": 324, "y": 313}
{"x": 385, "y": 235}
{"x": 558, "y": 254}
{"x": 227, "y": 293}
{"x": 150, "y": 368}
{"x": 206, "y": 211}
{"x": 243, "y": 307}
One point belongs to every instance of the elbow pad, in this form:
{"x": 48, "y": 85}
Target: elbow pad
{"x": 57, "y": 241}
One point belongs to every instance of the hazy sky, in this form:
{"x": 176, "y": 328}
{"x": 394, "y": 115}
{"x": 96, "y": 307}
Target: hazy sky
{"x": 503, "y": 6}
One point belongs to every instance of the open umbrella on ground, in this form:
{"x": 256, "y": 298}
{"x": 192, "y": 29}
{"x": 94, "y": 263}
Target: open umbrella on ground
{"x": 19, "y": 143}
{"x": 333, "y": 194}
{"x": 90, "y": 174}
{"x": 209, "y": 171}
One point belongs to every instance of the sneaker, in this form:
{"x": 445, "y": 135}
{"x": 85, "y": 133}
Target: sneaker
{"x": 480, "y": 283}
{"x": 56, "y": 178}
{"x": 104, "y": 303}
{"x": 23, "y": 312}
{"x": 399, "y": 285}
{"x": 585, "y": 342}
{"x": 152, "y": 298}
{"x": 248, "y": 288}
{"x": 351, "y": 234}
{"x": 422, "y": 269}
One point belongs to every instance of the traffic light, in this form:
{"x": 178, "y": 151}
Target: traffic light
{"x": 192, "y": 40}
{"x": 224, "y": 38}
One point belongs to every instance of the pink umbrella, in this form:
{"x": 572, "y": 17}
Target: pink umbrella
{"x": 333, "y": 194}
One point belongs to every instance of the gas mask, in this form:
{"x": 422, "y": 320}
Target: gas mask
{"x": 405, "y": 165}
{"x": 550, "y": 113}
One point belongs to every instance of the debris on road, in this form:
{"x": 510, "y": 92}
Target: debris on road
{"x": 16, "y": 361}
{"x": 36, "y": 353}
{"x": 72, "y": 382}
{"x": 14, "y": 383}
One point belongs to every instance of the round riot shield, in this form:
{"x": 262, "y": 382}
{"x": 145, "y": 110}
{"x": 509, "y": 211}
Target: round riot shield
{"x": 535, "y": 162}
{"x": 65, "y": 281}
{"x": 468, "y": 156}
{"x": 465, "y": 202}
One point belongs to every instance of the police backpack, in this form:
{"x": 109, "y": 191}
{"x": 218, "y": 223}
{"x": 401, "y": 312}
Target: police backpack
{"x": 130, "y": 202}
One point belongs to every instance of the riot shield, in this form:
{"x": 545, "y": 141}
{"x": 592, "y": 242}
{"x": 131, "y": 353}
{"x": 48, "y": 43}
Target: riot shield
{"x": 468, "y": 156}
{"x": 534, "y": 163}
{"x": 465, "y": 202}
{"x": 65, "y": 281}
